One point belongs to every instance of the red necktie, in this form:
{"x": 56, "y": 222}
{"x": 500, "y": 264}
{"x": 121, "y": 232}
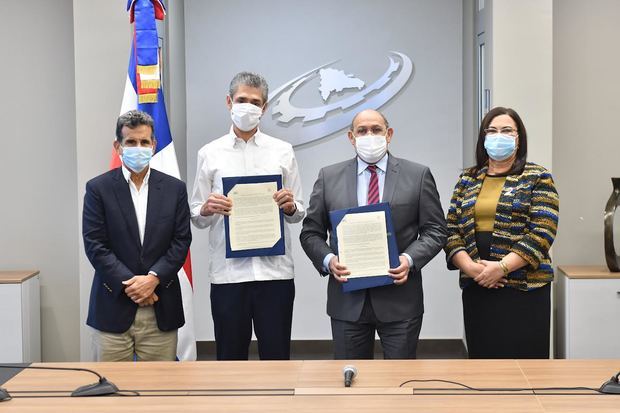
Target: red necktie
{"x": 373, "y": 185}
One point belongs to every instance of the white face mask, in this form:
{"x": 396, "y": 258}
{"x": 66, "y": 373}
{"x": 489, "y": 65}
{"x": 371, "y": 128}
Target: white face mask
{"x": 245, "y": 116}
{"x": 371, "y": 148}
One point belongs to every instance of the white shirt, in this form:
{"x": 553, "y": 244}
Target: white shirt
{"x": 140, "y": 199}
{"x": 232, "y": 156}
{"x": 363, "y": 179}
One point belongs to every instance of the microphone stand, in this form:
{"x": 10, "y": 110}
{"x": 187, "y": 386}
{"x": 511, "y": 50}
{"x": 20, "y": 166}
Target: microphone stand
{"x": 101, "y": 388}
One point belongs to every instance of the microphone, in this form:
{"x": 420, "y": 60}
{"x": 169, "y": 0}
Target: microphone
{"x": 349, "y": 372}
{"x": 102, "y": 387}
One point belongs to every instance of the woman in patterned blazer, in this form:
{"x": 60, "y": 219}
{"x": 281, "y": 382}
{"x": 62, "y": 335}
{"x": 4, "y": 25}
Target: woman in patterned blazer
{"x": 502, "y": 221}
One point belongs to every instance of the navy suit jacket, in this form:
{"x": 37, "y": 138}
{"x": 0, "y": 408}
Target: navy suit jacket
{"x": 112, "y": 244}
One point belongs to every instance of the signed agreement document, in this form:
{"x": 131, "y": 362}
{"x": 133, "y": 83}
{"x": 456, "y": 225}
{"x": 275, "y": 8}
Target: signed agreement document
{"x": 254, "y": 221}
{"x": 362, "y": 244}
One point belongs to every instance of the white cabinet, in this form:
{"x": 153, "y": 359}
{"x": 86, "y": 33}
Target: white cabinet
{"x": 588, "y": 320}
{"x": 20, "y": 317}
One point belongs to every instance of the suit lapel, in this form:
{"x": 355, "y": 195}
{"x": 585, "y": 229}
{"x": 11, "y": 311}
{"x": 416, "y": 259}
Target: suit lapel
{"x": 391, "y": 178}
{"x": 351, "y": 182}
{"x": 121, "y": 189}
{"x": 154, "y": 200}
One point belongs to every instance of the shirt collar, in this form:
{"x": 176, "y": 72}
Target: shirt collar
{"x": 381, "y": 165}
{"x": 257, "y": 138}
{"x": 127, "y": 174}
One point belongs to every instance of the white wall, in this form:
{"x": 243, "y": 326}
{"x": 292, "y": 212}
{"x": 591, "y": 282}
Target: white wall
{"x": 38, "y": 212}
{"x": 522, "y": 69}
{"x": 586, "y": 146}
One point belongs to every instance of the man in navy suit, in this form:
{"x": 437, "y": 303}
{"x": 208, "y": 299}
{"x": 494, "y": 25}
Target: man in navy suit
{"x": 136, "y": 235}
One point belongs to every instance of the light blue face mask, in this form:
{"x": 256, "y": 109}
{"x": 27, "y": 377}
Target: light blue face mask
{"x": 499, "y": 147}
{"x": 137, "y": 158}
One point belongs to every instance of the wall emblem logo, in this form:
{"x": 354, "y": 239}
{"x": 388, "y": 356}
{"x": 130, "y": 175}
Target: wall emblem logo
{"x": 307, "y": 124}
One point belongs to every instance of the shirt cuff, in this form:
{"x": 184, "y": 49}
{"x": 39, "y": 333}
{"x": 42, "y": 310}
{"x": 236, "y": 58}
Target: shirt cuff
{"x": 326, "y": 261}
{"x": 153, "y": 273}
{"x": 200, "y": 221}
{"x": 298, "y": 215}
{"x": 294, "y": 212}
{"x": 408, "y": 259}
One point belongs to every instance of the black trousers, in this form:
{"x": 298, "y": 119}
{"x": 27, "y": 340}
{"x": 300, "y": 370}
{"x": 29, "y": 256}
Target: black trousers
{"x": 356, "y": 340}
{"x": 506, "y": 323}
{"x": 268, "y": 305}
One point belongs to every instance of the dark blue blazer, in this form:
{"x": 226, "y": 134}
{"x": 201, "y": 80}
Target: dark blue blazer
{"x": 112, "y": 244}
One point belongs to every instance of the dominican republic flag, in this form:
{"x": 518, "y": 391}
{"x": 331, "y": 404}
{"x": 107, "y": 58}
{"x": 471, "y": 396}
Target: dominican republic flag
{"x": 143, "y": 92}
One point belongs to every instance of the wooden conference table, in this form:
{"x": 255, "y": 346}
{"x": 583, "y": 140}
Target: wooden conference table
{"x": 317, "y": 386}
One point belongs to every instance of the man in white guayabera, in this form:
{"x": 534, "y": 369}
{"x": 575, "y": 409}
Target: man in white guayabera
{"x": 252, "y": 290}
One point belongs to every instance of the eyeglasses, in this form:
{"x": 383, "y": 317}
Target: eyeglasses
{"x": 375, "y": 130}
{"x": 506, "y": 130}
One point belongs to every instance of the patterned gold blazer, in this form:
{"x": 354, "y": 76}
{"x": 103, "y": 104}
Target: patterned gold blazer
{"x": 526, "y": 222}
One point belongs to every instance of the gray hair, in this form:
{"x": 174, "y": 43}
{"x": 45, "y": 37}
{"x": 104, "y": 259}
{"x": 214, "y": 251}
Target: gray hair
{"x": 249, "y": 79}
{"x": 132, "y": 120}
{"x": 387, "y": 124}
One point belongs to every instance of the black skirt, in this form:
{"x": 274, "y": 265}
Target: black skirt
{"x": 505, "y": 323}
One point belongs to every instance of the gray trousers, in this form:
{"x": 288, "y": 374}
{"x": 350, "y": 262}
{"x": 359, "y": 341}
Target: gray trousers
{"x": 356, "y": 340}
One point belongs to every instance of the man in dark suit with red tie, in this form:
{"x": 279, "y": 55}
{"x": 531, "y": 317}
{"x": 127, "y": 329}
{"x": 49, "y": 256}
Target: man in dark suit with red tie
{"x": 375, "y": 175}
{"x": 136, "y": 235}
